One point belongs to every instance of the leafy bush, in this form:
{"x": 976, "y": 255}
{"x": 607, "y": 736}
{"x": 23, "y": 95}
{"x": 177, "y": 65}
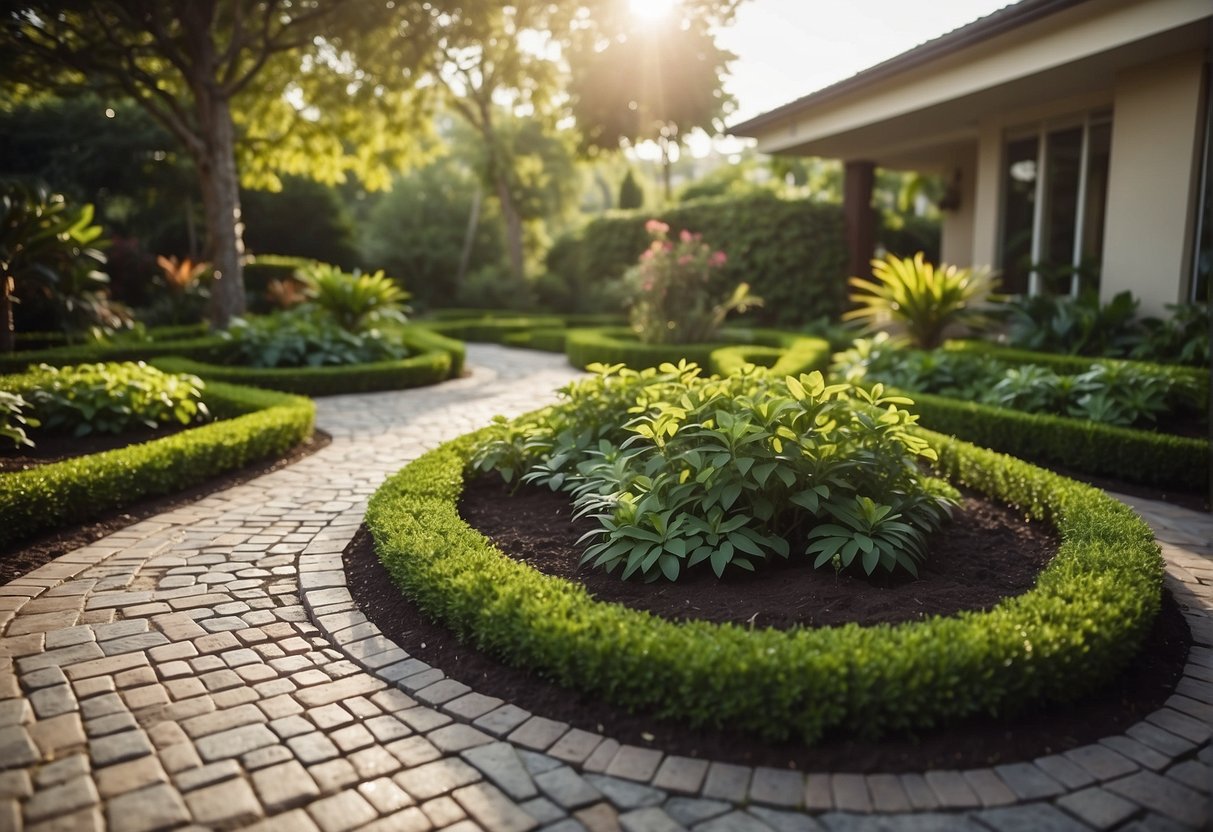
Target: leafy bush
{"x": 920, "y": 298}
{"x": 182, "y": 294}
{"x": 1075, "y": 326}
{"x": 254, "y": 424}
{"x": 671, "y": 303}
{"x": 14, "y": 420}
{"x": 50, "y": 261}
{"x": 1117, "y": 394}
{"x": 114, "y": 398}
{"x": 1076, "y": 629}
{"x": 679, "y": 470}
{"x": 302, "y": 338}
{"x": 355, "y": 301}
{"x": 792, "y": 253}
{"x": 1183, "y": 338}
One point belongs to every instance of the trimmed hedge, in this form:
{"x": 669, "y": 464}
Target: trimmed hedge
{"x": 1079, "y": 626}
{"x": 1139, "y": 456}
{"x": 1190, "y": 385}
{"x": 205, "y": 348}
{"x": 437, "y": 363}
{"x": 791, "y": 252}
{"x": 255, "y": 424}
{"x": 544, "y": 339}
{"x": 50, "y": 340}
{"x": 785, "y": 352}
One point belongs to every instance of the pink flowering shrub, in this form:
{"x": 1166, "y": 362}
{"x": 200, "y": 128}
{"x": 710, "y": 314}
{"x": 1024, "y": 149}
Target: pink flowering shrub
{"x": 669, "y": 288}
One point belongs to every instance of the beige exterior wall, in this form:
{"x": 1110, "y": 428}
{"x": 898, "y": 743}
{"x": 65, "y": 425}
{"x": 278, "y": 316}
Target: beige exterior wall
{"x": 956, "y": 230}
{"x": 1155, "y": 137}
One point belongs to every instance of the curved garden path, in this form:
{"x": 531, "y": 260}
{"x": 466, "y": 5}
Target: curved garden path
{"x": 207, "y": 667}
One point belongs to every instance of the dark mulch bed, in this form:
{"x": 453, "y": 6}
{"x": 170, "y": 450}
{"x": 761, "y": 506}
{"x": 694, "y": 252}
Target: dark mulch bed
{"x": 531, "y": 526}
{"x": 56, "y": 447}
{"x": 29, "y": 555}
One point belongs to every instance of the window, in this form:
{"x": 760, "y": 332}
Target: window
{"x": 1054, "y": 191}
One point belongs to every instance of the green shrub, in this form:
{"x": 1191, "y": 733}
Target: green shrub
{"x": 679, "y": 470}
{"x": 1182, "y": 338}
{"x": 355, "y": 302}
{"x": 306, "y": 338}
{"x": 670, "y": 299}
{"x": 114, "y": 398}
{"x": 1077, "y": 326}
{"x": 791, "y": 253}
{"x": 1078, "y": 627}
{"x": 14, "y": 419}
{"x": 255, "y": 424}
{"x": 921, "y": 299}
{"x": 616, "y": 345}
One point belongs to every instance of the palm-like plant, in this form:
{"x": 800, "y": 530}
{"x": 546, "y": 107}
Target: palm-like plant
{"x": 921, "y": 298}
{"x": 355, "y": 301}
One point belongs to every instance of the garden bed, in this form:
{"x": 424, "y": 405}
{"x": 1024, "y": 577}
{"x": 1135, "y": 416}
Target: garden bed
{"x": 1078, "y": 628}
{"x": 250, "y": 425}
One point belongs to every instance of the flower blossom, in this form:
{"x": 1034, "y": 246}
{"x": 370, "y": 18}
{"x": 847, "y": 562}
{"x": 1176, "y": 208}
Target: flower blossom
{"x": 719, "y": 258}
{"x": 656, "y": 227}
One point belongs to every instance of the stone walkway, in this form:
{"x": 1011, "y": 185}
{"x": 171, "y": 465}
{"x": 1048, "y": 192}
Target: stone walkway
{"x": 208, "y": 668}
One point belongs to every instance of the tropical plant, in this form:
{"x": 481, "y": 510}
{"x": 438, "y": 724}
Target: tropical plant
{"x": 184, "y": 294}
{"x": 306, "y": 338}
{"x": 355, "y": 301}
{"x": 48, "y": 252}
{"x": 13, "y": 419}
{"x": 677, "y": 470}
{"x": 671, "y": 303}
{"x": 1182, "y": 338}
{"x": 114, "y": 398}
{"x": 922, "y": 299}
{"x": 1075, "y": 325}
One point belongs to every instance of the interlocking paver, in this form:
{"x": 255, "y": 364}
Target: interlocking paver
{"x": 230, "y": 803}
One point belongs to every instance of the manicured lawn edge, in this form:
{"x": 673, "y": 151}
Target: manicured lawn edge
{"x": 1084, "y": 620}
{"x": 734, "y": 347}
{"x": 253, "y": 425}
{"x": 442, "y": 359}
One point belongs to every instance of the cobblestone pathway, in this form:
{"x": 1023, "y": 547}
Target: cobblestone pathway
{"x": 207, "y": 667}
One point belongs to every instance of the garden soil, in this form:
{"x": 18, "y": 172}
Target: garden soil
{"x": 986, "y": 554}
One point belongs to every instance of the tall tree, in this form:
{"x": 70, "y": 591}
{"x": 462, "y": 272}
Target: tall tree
{"x": 659, "y": 81}
{"x": 244, "y": 86}
{"x": 497, "y": 59}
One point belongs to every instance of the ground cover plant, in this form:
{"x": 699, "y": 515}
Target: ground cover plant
{"x": 679, "y": 470}
{"x": 304, "y": 337}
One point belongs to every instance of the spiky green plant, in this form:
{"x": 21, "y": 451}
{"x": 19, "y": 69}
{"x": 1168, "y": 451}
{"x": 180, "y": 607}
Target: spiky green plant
{"x": 355, "y": 301}
{"x": 921, "y": 298}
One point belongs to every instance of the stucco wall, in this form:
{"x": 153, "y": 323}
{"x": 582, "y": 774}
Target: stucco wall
{"x": 1155, "y": 133}
{"x": 956, "y": 231}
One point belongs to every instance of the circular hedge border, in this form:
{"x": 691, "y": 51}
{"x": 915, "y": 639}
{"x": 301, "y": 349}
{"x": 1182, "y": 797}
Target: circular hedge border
{"x": 252, "y": 425}
{"x": 1080, "y": 625}
{"x": 786, "y": 352}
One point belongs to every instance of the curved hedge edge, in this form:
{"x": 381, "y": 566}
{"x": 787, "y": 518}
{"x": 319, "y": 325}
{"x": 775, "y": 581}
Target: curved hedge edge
{"x": 421, "y": 370}
{"x": 206, "y": 348}
{"x": 490, "y": 330}
{"x": 735, "y": 346}
{"x": 256, "y": 424}
{"x": 423, "y": 340}
{"x": 544, "y": 340}
{"x": 1191, "y": 383}
{"x": 1088, "y": 447}
{"x": 608, "y": 345}
{"x": 797, "y": 353}
{"x": 1084, "y": 620}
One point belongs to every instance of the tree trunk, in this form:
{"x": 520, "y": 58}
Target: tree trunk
{"x": 513, "y": 228}
{"x": 221, "y": 203}
{"x": 7, "y": 339}
{"x": 469, "y": 240}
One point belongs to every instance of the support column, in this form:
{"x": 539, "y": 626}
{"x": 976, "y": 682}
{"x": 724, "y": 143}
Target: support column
{"x": 860, "y": 219}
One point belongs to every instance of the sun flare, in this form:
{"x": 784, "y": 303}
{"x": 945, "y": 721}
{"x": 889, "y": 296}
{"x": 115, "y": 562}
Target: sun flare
{"x": 651, "y": 9}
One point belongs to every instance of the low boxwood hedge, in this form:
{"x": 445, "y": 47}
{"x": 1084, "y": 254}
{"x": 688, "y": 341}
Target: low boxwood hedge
{"x": 253, "y": 425}
{"x": 1080, "y": 625}
{"x": 435, "y": 364}
{"x": 203, "y": 348}
{"x": 1139, "y": 456}
{"x": 438, "y": 358}
{"x": 734, "y": 347}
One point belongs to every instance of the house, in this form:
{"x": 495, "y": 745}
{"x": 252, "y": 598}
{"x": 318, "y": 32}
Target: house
{"x": 1074, "y": 135}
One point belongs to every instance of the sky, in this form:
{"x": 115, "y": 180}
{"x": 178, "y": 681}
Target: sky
{"x": 789, "y": 48}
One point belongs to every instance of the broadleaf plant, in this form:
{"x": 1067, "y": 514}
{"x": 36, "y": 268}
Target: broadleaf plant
{"x": 679, "y": 471}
